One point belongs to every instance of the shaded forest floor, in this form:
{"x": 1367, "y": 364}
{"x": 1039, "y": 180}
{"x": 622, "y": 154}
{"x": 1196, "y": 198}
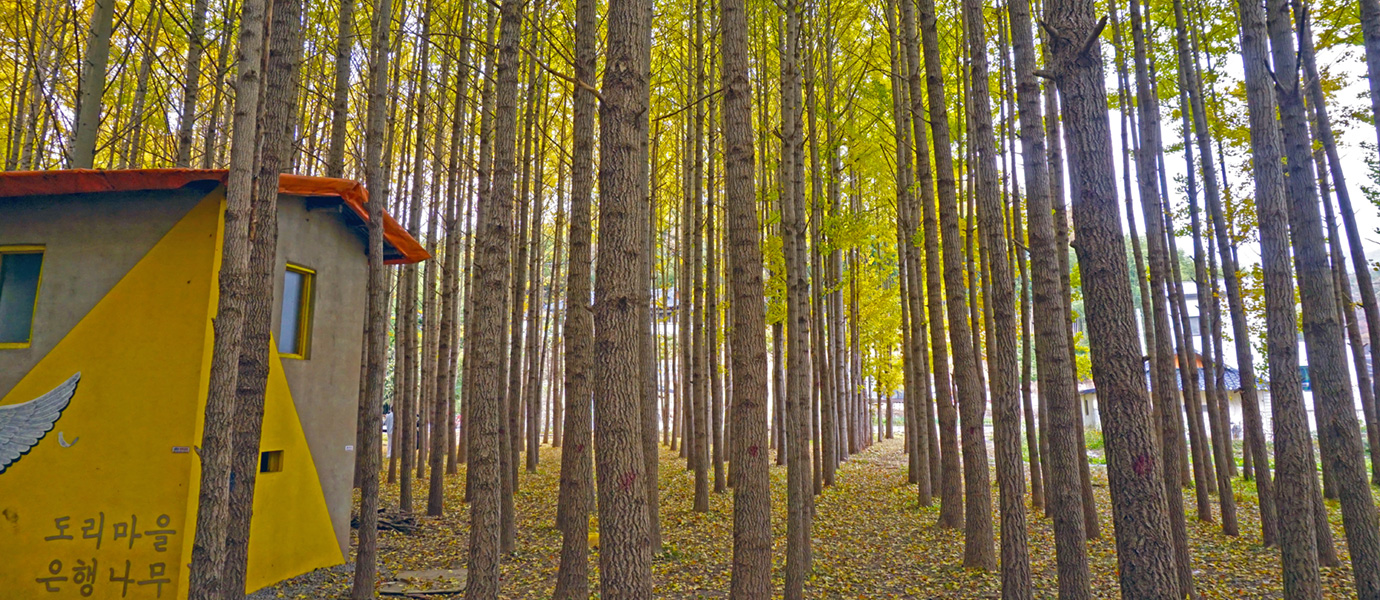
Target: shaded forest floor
{"x": 871, "y": 540}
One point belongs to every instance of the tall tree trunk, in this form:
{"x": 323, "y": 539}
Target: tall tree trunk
{"x": 625, "y": 556}
{"x": 208, "y": 547}
{"x": 492, "y": 270}
{"x": 651, "y": 456}
{"x": 964, "y": 324}
{"x": 1145, "y": 550}
{"x": 1339, "y": 434}
{"x": 1370, "y": 35}
{"x": 1163, "y": 388}
{"x": 1191, "y": 84}
{"x": 1057, "y": 376}
{"x": 931, "y": 296}
{"x": 340, "y": 96}
{"x": 699, "y": 405}
{"x": 366, "y": 557}
{"x": 1360, "y": 265}
{"x": 1001, "y": 349}
{"x": 191, "y": 82}
{"x": 1292, "y": 442}
{"x": 712, "y": 347}
{"x": 532, "y": 389}
{"x": 134, "y": 153}
{"x": 799, "y": 492}
{"x": 752, "y": 538}
{"x": 277, "y": 130}
{"x": 912, "y": 297}
{"x": 574, "y": 503}
{"x": 946, "y": 228}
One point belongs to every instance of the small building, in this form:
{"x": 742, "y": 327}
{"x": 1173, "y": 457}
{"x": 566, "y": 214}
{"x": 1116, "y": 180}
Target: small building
{"x": 1231, "y": 377}
{"x": 108, "y": 287}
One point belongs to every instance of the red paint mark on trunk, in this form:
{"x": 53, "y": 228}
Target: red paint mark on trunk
{"x": 1142, "y": 465}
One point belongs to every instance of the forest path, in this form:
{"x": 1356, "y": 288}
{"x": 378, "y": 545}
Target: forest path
{"x": 871, "y": 540}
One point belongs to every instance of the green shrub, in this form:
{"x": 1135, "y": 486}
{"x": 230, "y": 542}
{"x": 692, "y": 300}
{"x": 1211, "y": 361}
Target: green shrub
{"x": 1094, "y": 438}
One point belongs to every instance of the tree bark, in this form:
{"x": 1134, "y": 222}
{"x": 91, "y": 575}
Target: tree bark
{"x": 574, "y": 503}
{"x": 1057, "y": 387}
{"x": 82, "y": 154}
{"x": 191, "y": 82}
{"x": 1360, "y": 264}
{"x": 1339, "y": 434}
{"x": 1145, "y": 553}
{"x": 492, "y": 270}
{"x": 1293, "y": 447}
{"x": 1163, "y": 385}
{"x": 208, "y": 547}
{"x": 752, "y": 537}
{"x": 946, "y": 228}
{"x": 1001, "y": 345}
{"x": 625, "y": 554}
{"x": 799, "y": 486}
{"x": 279, "y": 106}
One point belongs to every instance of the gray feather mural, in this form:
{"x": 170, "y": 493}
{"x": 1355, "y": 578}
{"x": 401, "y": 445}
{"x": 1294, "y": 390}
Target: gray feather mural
{"x": 23, "y": 425}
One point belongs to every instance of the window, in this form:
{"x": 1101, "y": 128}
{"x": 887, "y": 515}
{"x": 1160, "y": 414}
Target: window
{"x": 20, "y": 270}
{"x": 271, "y": 461}
{"x": 294, "y": 333}
{"x": 1195, "y": 326}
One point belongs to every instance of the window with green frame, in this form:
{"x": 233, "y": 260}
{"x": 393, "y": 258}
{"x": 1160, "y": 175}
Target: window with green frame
{"x": 21, "y": 270}
{"x": 294, "y": 330}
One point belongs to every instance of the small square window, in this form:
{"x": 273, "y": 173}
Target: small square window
{"x": 294, "y": 332}
{"x": 20, "y": 270}
{"x": 271, "y": 461}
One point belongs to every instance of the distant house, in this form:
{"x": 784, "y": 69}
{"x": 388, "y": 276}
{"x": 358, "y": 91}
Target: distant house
{"x": 108, "y": 286}
{"x": 1231, "y": 382}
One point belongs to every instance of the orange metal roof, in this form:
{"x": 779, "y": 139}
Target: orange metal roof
{"x": 86, "y": 181}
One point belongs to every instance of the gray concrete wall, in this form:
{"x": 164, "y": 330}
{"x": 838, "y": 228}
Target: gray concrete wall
{"x": 325, "y": 386}
{"x": 90, "y": 241}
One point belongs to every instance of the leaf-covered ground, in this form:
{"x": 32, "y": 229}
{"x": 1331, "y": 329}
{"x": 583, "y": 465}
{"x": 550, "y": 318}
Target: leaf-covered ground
{"x": 871, "y": 540}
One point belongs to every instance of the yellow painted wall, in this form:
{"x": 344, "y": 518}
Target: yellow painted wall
{"x": 291, "y": 532}
{"x": 144, "y": 356}
{"x": 139, "y": 352}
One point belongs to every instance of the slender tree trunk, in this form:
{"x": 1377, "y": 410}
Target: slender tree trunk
{"x": 1057, "y": 385}
{"x": 935, "y": 348}
{"x": 340, "y": 97}
{"x": 208, "y": 548}
{"x": 1166, "y": 400}
{"x": 82, "y": 154}
{"x": 1191, "y": 85}
{"x": 574, "y": 503}
{"x": 1293, "y": 447}
{"x": 945, "y": 227}
{"x": 366, "y": 557}
{"x": 277, "y": 131}
{"x": 752, "y": 539}
{"x": 1339, "y": 434}
{"x": 191, "y": 82}
{"x": 651, "y": 456}
{"x": 492, "y": 269}
{"x": 1370, "y": 35}
{"x": 1001, "y": 349}
{"x": 800, "y": 495}
{"x": 1323, "y": 130}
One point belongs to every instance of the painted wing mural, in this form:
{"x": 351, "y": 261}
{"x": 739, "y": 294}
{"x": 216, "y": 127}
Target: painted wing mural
{"x": 23, "y": 425}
